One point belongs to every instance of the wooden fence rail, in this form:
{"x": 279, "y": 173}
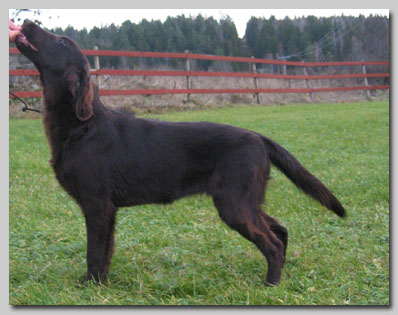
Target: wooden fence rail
{"x": 188, "y": 73}
{"x": 170, "y": 73}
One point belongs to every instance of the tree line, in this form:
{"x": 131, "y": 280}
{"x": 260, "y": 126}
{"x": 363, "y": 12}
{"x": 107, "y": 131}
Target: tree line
{"x": 338, "y": 38}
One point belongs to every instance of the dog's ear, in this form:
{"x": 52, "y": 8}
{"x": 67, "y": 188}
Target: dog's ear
{"x": 81, "y": 88}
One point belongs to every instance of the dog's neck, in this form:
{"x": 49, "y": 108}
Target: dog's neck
{"x": 60, "y": 121}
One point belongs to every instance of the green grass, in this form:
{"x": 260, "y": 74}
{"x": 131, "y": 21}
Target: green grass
{"x": 183, "y": 254}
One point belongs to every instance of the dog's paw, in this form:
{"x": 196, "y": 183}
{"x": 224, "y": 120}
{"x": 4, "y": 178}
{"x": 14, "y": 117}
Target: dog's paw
{"x": 86, "y": 280}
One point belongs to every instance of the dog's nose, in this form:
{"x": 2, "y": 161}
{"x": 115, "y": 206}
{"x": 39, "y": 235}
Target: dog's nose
{"x": 26, "y": 23}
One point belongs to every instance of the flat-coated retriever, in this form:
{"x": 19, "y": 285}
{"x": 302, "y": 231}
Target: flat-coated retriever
{"x": 106, "y": 159}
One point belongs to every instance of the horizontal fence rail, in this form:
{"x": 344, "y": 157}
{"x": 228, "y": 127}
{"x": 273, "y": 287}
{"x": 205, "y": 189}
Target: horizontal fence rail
{"x": 188, "y": 74}
{"x": 166, "y": 73}
{"x": 147, "y": 54}
{"x": 105, "y": 92}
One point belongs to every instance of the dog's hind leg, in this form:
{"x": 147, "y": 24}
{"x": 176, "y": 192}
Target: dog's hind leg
{"x": 100, "y": 218}
{"x": 279, "y": 230}
{"x": 239, "y": 214}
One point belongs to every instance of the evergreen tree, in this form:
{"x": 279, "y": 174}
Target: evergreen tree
{"x": 307, "y": 38}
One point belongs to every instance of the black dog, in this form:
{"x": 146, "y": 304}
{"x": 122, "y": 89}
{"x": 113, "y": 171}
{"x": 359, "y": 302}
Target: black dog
{"x": 107, "y": 159}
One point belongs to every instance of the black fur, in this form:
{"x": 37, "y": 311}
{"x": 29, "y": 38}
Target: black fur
{"x": 108, "y": 159}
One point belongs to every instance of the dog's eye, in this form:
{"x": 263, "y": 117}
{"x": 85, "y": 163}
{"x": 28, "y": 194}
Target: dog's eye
{"x": 62, "y": 42}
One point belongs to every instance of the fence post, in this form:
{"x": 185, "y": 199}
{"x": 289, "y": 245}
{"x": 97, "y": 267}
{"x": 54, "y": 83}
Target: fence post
{"x": 188, "y": 68}
{"x": 97, "y": 67}
{"x": 306, "y": 81}
{"x": 284, "y": 68}
{"x": 365, "y": 81}
{"x": 254, "y": 70}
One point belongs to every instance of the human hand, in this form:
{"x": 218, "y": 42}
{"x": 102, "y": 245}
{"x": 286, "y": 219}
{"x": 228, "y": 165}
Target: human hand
{"x": 14, "y": 31}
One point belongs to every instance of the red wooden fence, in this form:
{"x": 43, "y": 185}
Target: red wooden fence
{"x": 188, "y": 74}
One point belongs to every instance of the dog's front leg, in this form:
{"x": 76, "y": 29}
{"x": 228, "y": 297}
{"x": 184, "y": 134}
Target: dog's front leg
{"x": 100, "y": 223}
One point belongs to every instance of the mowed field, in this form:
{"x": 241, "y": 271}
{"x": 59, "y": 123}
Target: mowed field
{"x": 182, "y": 254}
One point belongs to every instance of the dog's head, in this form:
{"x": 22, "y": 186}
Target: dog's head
{"x": 64, "y": 70}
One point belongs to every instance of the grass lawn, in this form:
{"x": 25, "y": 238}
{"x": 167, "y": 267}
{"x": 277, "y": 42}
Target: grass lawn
{"x": 190, "y": 257}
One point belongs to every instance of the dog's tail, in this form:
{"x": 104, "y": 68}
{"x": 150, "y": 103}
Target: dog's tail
{"x": 301, "y": 177}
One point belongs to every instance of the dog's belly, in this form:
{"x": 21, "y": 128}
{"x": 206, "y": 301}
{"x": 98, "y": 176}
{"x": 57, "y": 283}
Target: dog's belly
{"x": 162, "y": 188}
